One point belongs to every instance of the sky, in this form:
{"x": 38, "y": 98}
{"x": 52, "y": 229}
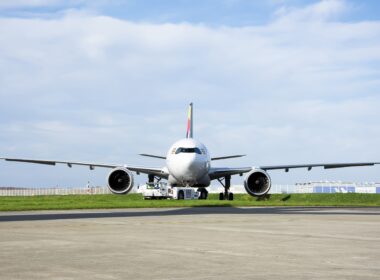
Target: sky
{"x": 285, "y": 82}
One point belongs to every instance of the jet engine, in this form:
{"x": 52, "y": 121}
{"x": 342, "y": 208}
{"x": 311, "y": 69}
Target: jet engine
{"x": 257, "y": 182}
{"x": 120, "y": 180}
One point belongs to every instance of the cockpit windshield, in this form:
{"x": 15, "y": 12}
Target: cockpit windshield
{"x": 188, "y": 150}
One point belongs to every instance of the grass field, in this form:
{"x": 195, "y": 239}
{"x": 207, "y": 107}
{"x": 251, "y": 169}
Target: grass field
{"x": 19, "y": 203}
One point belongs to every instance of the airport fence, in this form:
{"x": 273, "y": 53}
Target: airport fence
{"x": 52, "y": 191}
{"x": 276, "y": 189}
{"x": 317, "y": 187}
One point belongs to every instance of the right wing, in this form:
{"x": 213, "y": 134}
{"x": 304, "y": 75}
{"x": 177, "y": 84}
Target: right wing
{"x": 160, "y": 172}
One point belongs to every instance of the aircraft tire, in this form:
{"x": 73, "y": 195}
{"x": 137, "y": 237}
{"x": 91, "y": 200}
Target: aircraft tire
{"x": 221, "y": 196}
{"x": 203, "y": 194}
{"x": 181, "y": 195}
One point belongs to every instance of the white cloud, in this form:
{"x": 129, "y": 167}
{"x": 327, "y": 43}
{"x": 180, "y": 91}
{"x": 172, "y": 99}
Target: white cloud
{"x": 320, "y": 11}
{"x": 99, "y": 88}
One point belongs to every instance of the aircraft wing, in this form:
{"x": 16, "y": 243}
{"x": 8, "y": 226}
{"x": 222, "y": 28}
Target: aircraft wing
{"x": 219, "y": 172}
{"x": 324, "y": 165}
{"x": 138, "y": 169}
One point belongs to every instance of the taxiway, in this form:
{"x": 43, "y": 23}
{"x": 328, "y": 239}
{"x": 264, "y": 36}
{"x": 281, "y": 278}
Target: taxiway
{"x": 192, "y": 243}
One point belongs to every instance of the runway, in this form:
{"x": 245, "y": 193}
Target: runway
{"x": 192, "y": 243}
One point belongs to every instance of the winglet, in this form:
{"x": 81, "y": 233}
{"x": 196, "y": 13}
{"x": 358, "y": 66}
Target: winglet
{"x": 189, "y": 132}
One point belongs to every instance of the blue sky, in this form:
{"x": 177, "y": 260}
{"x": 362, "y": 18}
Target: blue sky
{"x": 213, "y": 12}
{"x": 285, "y": 82}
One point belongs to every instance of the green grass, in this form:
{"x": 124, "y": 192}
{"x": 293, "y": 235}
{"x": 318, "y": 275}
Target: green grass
{"x": 56, "y": 202}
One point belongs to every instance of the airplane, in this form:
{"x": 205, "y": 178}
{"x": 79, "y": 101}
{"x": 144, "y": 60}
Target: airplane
{"x": 188, "y": 164}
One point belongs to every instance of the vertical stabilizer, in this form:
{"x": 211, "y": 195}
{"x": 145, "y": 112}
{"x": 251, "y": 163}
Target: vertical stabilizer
{"x": 189, "y": 132}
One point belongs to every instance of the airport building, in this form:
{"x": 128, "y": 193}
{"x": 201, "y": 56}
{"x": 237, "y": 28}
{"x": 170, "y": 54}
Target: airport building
{"x": 315, "y": 187}
{"x": 340, "y": 187}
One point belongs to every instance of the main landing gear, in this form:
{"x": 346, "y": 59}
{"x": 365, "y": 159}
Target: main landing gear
{"x": 227, "y": 195}
{"x": 151, "y": 178}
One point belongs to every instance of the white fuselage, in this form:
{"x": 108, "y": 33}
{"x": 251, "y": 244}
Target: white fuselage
{"x": 188, "y": 163}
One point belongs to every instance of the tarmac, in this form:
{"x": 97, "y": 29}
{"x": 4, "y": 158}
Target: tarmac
{"x": 192, "y": 243}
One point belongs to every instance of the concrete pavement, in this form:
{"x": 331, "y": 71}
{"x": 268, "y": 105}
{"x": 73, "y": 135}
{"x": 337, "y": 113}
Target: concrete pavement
{"x": 192, "y": 243}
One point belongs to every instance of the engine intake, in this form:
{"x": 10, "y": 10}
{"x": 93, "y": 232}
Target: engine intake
{"x": 120, "y": 180}
{"x": 257, "y": 182}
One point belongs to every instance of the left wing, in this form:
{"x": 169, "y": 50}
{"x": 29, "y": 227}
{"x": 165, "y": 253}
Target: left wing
{"x": 324, "y": 165}
{"x": 160, "y": 172}
{"x": 219, "y": 172}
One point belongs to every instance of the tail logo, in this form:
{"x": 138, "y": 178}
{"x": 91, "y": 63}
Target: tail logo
{"x": 189, "y": 132}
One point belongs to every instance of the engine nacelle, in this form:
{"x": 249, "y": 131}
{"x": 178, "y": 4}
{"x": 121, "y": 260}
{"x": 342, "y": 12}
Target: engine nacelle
{"x": 120, "y": 180}
{"x": 257, "y": 182}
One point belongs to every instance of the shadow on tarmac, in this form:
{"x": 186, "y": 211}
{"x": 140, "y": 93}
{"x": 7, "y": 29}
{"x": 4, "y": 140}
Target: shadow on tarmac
{"x": 62, "y": 215}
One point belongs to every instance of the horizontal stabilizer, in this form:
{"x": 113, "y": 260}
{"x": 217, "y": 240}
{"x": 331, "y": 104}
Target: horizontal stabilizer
{"x": 226, "y": 157}
{"x": 153, "y": 156}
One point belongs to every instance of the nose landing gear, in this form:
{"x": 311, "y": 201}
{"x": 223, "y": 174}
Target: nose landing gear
{"x": 227, "y": 195}
{"x": 203, "y": 193}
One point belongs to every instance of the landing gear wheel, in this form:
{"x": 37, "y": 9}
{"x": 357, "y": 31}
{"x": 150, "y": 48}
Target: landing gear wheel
{"x": 227, "y": 195}
{"x": 203, "y": 193}
{"x": 181, "y": 195}
{"x": 221, "y": 196}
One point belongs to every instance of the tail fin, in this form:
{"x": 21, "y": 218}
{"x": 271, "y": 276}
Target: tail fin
{"x": 189, "y": 132}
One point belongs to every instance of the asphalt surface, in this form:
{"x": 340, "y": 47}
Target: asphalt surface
{"x": 192, "y": 243}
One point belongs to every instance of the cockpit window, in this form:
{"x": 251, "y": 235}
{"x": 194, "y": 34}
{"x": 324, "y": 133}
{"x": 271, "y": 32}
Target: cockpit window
{"x": 188, "y": 150}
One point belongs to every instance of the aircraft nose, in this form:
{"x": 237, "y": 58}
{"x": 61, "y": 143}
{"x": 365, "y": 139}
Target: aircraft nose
{"x": 191, "y": 162}
{"x": 188, "y": 168}
{"x": 192, "y": 167}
